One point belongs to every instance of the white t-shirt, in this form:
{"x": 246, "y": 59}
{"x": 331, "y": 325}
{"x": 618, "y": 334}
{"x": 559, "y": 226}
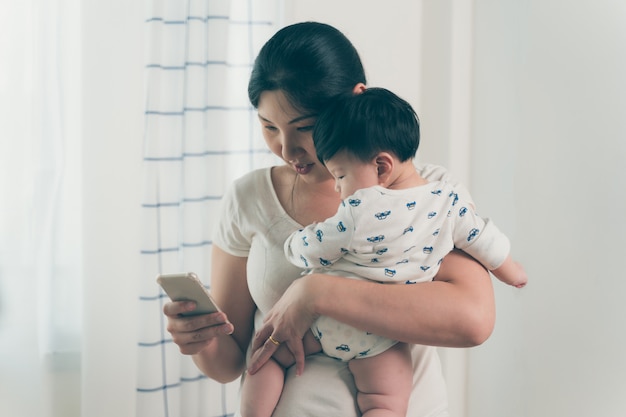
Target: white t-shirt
{"x": 253, "y": 224}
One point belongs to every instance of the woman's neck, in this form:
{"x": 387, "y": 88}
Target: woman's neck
{"x": 305, "y": 199}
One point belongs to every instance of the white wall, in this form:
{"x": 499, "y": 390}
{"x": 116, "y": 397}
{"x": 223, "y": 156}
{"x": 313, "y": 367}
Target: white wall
{"x": 547, "y": 163}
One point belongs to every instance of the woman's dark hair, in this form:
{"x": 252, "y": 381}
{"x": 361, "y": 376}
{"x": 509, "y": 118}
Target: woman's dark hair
{"x": 365, "y": 124}
{"x": 312, "y": 63}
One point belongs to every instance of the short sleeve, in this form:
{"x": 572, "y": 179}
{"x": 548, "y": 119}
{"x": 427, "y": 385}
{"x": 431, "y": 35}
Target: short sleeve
{"x": 230, "y": 235}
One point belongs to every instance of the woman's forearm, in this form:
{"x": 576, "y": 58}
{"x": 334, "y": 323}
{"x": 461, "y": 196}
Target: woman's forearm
{"x": 455, "y": 310}
{"x": 222, "y": 360}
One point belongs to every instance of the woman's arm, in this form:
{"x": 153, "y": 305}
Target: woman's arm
{"x": 457, "y": 309}
{"x": 218, "y": 341}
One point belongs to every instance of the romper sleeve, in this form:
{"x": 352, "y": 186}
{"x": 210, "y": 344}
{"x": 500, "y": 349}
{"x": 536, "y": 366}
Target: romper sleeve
{"x": 480, "y": 238}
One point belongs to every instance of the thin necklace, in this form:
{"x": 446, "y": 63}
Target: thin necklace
{"x": 293, "y": 194}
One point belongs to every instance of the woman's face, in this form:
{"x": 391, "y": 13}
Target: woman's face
{"x": 289, "y": 135}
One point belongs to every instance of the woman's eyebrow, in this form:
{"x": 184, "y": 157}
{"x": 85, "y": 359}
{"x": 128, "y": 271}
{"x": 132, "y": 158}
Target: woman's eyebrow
{"x": 296, "y": 120}
{"x": 300, "y": 118}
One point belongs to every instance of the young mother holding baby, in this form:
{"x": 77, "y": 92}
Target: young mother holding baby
{"x": 298, "y": 72}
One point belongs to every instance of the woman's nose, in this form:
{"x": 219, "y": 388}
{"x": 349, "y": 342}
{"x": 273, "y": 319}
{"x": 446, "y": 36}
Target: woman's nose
{"x": 291, "y": 151}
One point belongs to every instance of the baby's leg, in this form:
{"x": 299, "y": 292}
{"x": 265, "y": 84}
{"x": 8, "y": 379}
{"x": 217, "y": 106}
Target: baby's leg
{"x": 310, "y": 344}
{"x": 260, "y": 392}
{"x": 384, "y": 382}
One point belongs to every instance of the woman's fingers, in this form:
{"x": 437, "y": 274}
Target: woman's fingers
{"x": 194, "y": 333}
{"x": 174, "y": 308}
{"x": 262, "y": 355}
{"x": 297, "y": 349}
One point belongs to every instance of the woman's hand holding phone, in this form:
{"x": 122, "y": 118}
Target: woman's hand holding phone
{"x": 193, "y": 318}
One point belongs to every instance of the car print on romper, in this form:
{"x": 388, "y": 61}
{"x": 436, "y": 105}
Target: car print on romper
{"x": 382, "y": 251}
{"x": 472, "y": 234}
{"x": 382, "y": 215}
{"x": 455, "y": 197}
{"x": 325, "y": 262}
{"x": 376, "y": 239}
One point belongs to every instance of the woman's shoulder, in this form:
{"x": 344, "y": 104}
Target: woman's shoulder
{"x": 254, "y": 183}
{"x": 432, "y": 172}
{"x": 253, "y": 178}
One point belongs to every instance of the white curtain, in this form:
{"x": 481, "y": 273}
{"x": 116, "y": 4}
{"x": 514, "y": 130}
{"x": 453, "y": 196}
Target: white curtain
{"x": 200, "y": 134}
{"x": 40, "y": 222}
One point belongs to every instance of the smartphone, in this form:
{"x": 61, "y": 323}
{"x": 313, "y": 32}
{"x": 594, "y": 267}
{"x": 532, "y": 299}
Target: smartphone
{"x": 188, "y": 287}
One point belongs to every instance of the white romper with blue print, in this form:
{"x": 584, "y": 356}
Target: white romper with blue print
{"x": 391, "y": 236}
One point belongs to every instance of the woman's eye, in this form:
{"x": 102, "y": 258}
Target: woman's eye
{"x": 305, "y": 128}
{"x": 270, "y": 128}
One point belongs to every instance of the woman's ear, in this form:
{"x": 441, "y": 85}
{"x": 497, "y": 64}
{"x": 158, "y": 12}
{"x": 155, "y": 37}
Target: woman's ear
{"x": 359, "y": 88}
{"x": 384, "y": 164}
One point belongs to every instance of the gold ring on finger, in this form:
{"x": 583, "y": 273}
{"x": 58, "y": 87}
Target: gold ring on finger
{"x": 274, "y": 341}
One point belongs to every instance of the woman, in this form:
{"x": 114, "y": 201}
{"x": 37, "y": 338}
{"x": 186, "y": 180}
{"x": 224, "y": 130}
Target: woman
{"x": 297, "y": 73}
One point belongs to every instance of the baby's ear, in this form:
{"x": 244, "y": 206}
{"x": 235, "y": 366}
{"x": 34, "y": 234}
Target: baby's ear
{"x": 384, "y": 164}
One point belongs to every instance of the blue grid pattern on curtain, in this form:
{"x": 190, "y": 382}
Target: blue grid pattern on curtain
{"x": 200, "y": 134}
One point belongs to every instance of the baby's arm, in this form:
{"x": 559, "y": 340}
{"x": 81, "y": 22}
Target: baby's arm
{"x": 321, "y": 244}
{"x": 511, "y": 272}
{"x": 486, "y": 243}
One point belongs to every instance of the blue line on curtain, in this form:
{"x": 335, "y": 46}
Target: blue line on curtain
{"x": 205, "y": 19}
{"x": 196, "y": 64}
{"x": 203, "y": 154}
{"x": 153, "y": 344}
{"x": 185, "y": 200}
{"x": 174, "y": 385}
{"x": 158, "y": 251}
{"x": 198, "y": 109}
{"x": 183, "y": 22}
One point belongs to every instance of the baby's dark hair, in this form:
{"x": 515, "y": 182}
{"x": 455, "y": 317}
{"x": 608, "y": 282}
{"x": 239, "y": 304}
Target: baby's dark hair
{"x": 365, "y": 124}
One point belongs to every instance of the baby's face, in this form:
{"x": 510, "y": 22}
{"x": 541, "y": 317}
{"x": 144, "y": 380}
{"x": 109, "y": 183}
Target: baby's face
{"x": 351, "y": 174}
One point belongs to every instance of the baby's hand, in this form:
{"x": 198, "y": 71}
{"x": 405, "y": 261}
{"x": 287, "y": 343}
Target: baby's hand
{"x": 512, "y": 273}
{"x": 522, "y": 278}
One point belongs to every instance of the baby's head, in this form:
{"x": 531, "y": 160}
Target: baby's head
{"x": 366, "y": 124}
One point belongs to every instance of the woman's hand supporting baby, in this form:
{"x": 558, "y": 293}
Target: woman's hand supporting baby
{"x": 287, "y": 323}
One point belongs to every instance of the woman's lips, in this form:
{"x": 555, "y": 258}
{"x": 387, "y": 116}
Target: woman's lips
{"x": 303, "y": 169}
